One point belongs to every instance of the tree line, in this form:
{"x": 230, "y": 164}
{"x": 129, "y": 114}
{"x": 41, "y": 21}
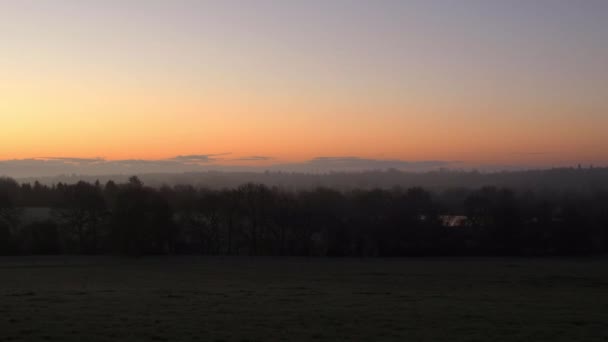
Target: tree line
{"x": 254, "y": 219}
{"x": 583, "y": 178}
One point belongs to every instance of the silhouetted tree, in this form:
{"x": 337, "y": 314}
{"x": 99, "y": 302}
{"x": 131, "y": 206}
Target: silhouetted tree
{"x": 8, "y": 215}
{"x": 82, "y": 211}
{"x": 40, "y": 238}
{"x": 142, "y": 221}
{"x": 255, "y": 202}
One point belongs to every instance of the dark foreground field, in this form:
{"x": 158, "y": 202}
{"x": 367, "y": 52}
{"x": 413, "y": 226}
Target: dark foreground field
{"x": 263, "y": 299}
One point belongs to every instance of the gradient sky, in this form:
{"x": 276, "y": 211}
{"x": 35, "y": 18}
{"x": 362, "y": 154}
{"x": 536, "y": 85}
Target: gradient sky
{"x": 479, "y": 82}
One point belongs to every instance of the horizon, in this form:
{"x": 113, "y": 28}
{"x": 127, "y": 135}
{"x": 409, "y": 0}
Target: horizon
{"x": 580, "y": 178}
{"x": 49, "y": 168}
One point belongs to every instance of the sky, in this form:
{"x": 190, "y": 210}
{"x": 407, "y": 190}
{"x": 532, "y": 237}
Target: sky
{"x": 265, "y": 83}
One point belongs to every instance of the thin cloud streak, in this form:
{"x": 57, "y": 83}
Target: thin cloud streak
{"x": 254, "y": 158}
{"x": 198, "y": 158}
{"x": 74, "y": 160}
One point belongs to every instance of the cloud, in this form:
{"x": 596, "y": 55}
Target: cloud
{"x": 254, "y": 158}
{"x": 197, "y": 158}
{"x": 52, "y": 166}
{"x": 73, "y": 160}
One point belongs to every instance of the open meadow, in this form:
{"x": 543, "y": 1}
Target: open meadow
{"x": 299, "y": 299}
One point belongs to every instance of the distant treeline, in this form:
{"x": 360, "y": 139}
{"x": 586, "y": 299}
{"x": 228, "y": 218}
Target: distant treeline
{"x": 575, "y": 178}
{"x": 255, "y": 219}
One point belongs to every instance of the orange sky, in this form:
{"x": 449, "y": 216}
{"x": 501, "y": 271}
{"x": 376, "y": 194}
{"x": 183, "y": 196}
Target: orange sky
{"x": 298, "y": 81}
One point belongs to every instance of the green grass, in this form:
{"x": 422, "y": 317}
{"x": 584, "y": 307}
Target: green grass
{"x": 293, "y": 299}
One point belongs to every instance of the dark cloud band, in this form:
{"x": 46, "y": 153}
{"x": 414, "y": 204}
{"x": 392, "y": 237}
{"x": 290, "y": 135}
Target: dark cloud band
{"x": 52, "y": 166}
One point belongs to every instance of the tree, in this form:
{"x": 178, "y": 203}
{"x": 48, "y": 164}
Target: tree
{"x": 498, "y": 217}
{"x": 255, "y": 202}
{"x": 142, "y": 221}
{"x": 40, "y": 238}
{"x": 82, "y": 212}
{"x": 9, "y": 214}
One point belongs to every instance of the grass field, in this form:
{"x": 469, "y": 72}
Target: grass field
{"x": 293, "y": 299}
